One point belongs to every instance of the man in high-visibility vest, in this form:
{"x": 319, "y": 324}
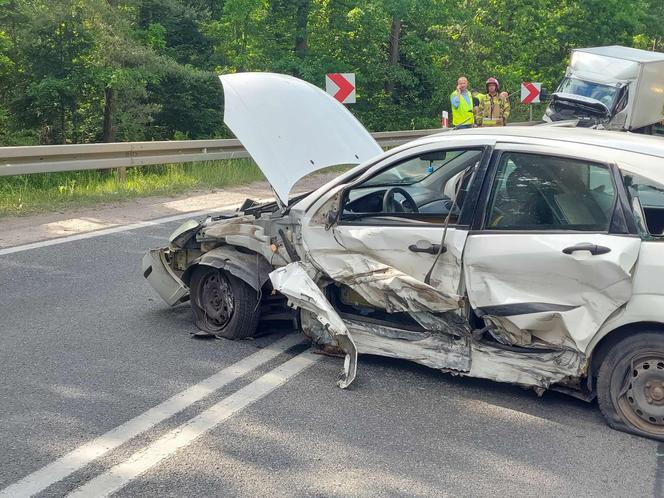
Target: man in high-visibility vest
{"x": 494, "y": 108}
{"x": 462, "y": 105}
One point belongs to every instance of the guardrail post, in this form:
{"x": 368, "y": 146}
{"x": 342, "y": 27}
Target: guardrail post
{"x": 121, "y": 174}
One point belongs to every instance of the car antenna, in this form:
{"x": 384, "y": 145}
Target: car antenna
{"x": 441, "y": 249}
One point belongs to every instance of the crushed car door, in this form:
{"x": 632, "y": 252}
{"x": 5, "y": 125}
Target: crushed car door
{"x": 388, "y": 233}
{"x": 552, "y": 256}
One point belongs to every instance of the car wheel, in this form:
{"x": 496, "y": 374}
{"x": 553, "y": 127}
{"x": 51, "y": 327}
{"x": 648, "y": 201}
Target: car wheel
{"x": 630, "y": 385}
{"x": 223, "y": 305}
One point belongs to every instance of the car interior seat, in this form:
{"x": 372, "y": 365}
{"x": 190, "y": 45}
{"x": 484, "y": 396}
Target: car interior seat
{"x": 523, "y": 204}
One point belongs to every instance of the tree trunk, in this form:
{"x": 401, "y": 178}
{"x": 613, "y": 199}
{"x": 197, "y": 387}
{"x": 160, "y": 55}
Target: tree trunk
{"x": 395, "y": 34}
{"x": 74, "y": 122}
{"x": 301, "y": 28}
{"x": 108, "y": 133}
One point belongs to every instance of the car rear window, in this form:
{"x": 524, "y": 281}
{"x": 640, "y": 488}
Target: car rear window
{"x": 542, "y": 192}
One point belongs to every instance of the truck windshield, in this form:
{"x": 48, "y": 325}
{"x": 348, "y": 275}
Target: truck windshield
{"x": 604, "y": 93}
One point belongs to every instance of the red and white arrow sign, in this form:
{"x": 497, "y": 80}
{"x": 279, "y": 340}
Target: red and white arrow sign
{"x": 530, "y": 92}
{"x": 341, "y": 86}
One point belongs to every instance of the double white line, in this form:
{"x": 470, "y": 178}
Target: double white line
{"x": 120, "y": 475}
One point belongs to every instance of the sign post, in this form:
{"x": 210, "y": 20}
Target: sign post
{"x": 530, "y": 94}
{"x": 341, "y": 86}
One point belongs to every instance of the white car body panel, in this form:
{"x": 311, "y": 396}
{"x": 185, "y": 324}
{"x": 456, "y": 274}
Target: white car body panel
{"x": 535, "y": 289}
{"x": 292, "y": 128}
{"x": 647, "y": 301}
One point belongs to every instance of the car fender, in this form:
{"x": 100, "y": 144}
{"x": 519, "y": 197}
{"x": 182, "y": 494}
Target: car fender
{"x": 641, "y": 308}
{"x": 252, "y": 268}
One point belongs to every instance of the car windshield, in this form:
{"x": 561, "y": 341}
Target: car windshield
{"x": 606, "y": 94}
{"x": 412, "y": 171}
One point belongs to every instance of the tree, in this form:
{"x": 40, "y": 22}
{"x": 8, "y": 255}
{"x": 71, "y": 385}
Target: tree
{"x": 90, "y": 70}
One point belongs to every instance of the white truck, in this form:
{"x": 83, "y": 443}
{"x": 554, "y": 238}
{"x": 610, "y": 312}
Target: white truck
{"x": 614, "y": 87}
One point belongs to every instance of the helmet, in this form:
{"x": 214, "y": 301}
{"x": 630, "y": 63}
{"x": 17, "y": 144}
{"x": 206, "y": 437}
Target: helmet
{"x": 494, "y": 81}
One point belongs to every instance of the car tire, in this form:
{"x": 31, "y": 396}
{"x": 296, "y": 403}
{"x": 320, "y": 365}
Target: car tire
{"x": 223, "y": 305}
{"x": 630, "y": 385}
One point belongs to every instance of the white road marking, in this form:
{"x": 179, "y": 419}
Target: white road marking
{"x": 86, "y": 453}
{"x": 117, "y": 229}
{"x": 122, "y": 474}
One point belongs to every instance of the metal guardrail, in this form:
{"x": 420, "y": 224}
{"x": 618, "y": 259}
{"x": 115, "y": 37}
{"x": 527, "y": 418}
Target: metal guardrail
{"x": 52, "y": 158}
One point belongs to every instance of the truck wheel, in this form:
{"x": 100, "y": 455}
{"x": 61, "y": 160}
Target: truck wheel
{"x": 223, "y": 305}
{"x": 630, "y": 385}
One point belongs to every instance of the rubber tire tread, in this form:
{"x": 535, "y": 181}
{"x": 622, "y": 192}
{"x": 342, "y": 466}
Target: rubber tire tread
{"x": 246, "y": 315}
{"x": 625, "y": 348}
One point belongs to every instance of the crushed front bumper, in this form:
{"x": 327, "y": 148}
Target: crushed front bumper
{"x": 162, "y": 279}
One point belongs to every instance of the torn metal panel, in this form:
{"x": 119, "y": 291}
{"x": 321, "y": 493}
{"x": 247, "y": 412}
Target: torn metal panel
{"x": 391, "y": 245}
{"x": 247, "y": 232}
{"x": 525, "y": 368}
{"x": 294, "y": 282}
{"x": 531, "y": 287}
{"x": 251, "y": 268}
{"x": 243, "y": 231}
{"x": 432, "y": 349}
{"x": 184, "y": 233}
{"x": 647, "y": 301}
{"x": 383, "y": 286}
{"x": 523, "y": 330}
{"x": 449, "y": 322}
{"x": 506, "y": 332}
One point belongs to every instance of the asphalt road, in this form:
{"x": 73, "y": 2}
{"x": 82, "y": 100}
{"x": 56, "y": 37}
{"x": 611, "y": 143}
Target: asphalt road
{"x": 86, "y": 346}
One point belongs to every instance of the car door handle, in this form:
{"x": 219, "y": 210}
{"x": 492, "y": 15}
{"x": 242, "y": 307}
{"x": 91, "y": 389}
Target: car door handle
{"x": 594, "y": 249}
{"x": 428, "y": 247}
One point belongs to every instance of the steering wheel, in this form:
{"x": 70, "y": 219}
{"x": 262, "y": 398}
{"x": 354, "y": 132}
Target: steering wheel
{"x": 389, "y": 205}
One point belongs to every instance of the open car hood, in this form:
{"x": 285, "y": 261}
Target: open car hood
{"x": 292, "y": 128}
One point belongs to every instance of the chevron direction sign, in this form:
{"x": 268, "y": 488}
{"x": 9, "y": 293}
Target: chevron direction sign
{"x": 341, "y": 86}
{"x": 530, "y": 92}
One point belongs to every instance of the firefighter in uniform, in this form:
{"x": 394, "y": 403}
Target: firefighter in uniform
{"x": 494, "y": 108}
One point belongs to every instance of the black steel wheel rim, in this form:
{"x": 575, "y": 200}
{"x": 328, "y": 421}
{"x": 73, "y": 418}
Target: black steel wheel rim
{"x": 216, "y": 299}
{"x": 641, "y": 398}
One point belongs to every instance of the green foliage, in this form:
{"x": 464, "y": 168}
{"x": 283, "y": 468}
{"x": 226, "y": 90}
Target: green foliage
{"x": 76, "y": 71}
{"x": 25, "y": 194}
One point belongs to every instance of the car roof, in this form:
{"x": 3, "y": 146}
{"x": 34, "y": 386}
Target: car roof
{"x": 624, "y": 141}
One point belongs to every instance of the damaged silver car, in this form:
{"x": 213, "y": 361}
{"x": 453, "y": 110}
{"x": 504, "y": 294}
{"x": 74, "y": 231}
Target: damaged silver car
{"x": 532, "y": 255}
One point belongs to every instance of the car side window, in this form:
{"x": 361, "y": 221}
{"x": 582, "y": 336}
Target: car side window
{"x": 540, "y": 192}
{"x": 648, "y": 200}
{"x": 425, "y": 188}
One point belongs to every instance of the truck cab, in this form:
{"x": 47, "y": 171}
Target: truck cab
{"x": 615, "y": 88}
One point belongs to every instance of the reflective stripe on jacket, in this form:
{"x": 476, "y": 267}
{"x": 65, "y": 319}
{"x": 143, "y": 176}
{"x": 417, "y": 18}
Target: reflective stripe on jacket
{"x": 463, "y": 113}
{"x": 492, "y": 111}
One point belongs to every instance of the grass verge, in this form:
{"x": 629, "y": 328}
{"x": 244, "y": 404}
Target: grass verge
{"x": 26, "y": 194}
